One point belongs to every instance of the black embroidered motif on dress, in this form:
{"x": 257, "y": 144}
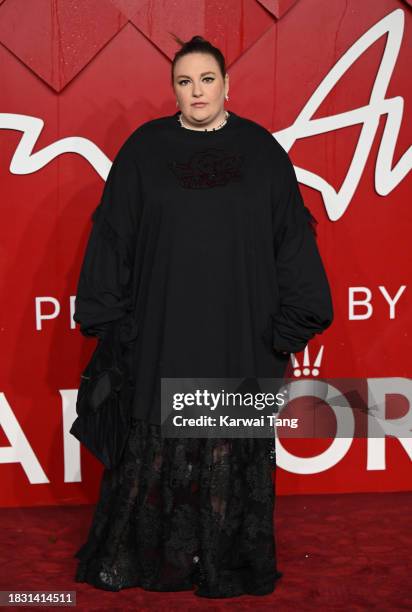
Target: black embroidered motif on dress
{"x": 208, "y": 168}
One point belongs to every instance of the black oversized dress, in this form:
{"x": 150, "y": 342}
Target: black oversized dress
{"x": 203, "y": 247}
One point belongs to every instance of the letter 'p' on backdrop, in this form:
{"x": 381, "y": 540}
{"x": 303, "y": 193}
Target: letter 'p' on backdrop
{"x": 331, "y": 80}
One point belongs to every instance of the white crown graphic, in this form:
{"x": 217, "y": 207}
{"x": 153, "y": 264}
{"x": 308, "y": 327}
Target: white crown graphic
{"x": 307, "y": 369}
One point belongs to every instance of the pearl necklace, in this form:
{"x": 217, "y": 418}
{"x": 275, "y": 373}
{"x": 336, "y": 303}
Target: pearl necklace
{"x": 205, "y": 130}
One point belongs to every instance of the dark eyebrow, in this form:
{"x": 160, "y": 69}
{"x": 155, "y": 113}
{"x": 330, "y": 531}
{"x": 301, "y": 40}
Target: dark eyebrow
{"x": 203, "y": 74}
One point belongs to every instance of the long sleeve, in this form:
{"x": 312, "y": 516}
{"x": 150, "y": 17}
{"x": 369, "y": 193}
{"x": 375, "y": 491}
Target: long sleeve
{"x": 306, "y": 306}
{"x": 104, "y": 286}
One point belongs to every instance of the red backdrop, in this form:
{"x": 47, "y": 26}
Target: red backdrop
{"x": 329, "y": 78}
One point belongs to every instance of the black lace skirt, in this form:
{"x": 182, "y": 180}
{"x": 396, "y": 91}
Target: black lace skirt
{"x": 183, "y": 514}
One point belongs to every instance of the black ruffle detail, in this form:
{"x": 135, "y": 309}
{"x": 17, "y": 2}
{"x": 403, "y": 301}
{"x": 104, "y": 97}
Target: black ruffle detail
{"x": 118, "y": 245}
{"x": 304, "y": 216}
{"x": 313, "y": 222}
{"x": 107, "y": 231}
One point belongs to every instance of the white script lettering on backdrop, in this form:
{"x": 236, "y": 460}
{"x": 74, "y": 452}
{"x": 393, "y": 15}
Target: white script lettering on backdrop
{"x": 336, "y": 203}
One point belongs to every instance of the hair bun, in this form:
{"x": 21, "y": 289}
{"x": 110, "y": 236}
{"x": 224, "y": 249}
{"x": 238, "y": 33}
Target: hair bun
{"x": 198, "y": 39}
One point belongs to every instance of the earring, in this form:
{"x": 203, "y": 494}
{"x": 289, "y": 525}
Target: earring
{"x": 227, "y": 96}
{"x": 177, "y": 103}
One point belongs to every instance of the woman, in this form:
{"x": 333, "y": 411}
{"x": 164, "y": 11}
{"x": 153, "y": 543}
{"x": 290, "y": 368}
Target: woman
{"x": 203, "y": 245}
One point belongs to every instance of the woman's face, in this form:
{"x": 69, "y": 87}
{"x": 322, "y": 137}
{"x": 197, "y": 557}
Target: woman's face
{"x": 197, "y": 78}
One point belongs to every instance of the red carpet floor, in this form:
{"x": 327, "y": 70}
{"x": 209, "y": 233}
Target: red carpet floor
{"x": 337, "y": 552}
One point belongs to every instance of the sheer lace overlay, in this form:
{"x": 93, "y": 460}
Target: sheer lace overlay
{"x": 179, "y": 514}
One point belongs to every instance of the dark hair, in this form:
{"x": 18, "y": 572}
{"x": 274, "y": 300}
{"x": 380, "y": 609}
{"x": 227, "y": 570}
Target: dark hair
{"x": 198, "y": 44}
